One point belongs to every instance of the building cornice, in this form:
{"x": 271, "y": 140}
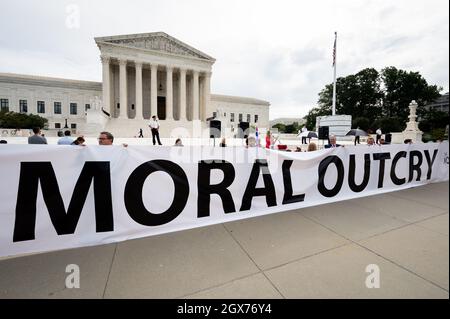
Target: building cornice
{"x": 108, "y": 39}
{"x": 238, "y": 99}
{"x": 23, "y": 79}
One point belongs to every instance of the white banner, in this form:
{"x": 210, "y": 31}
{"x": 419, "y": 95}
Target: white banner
{"x": 55, "y": 197}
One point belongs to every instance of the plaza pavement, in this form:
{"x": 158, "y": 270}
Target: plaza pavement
{"x": 317, "y": 252}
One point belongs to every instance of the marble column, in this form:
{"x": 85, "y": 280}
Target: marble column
{"x": 139, "y": 107}
{"x": 206, "y": 94}
{"x": 169, "y": 93}
{"x": 182, "y": 97}
{"x": 195, "y": 96}
{"x": 153, "y": 90}
{"x": 123, "y": 114}
{"x": 106, "y": 84}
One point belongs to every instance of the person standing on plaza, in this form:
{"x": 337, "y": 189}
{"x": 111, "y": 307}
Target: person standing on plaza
{"x": 378, "y": 132}
{"x": 141, "y": 133}
{"x": 154, "y": 127}
{"x": 303, "y": 134}
{"x": 268, "y": 139}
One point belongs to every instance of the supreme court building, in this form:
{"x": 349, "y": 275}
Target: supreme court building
{"x": 142, "y": 75}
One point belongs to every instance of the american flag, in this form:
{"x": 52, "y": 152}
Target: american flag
{"x": 334, "y": 49}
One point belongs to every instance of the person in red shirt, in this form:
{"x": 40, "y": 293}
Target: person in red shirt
{"x": 268, "y": 136}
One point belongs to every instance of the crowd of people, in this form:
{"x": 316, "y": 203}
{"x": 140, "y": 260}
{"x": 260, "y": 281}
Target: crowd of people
{"x": 106, "y": 138}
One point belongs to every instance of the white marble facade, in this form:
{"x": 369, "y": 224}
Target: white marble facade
{"x": 142, "y": 75}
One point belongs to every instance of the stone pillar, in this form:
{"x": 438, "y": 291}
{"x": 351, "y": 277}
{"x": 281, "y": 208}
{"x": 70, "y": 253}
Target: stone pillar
{"x": 153, "y": 90}
{"x": 412, "y": 130}
{"x": 206, "y": 94}
{"x": 195, "y": 96}
{"x": 169, "y": 93}
{"x": 182, "y": 97}
{"x": 123, "y": 113}
{"x": 412, "y": 125}
{"x": 106, "y": 84}
{"x": 139, "y": 107}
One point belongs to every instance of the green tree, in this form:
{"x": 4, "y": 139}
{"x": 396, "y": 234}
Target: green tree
{"x": 358, "y": 95}
{"x": 388, "y": 124}
{"x": 432, "y": 120}
{"x": 313, "y": 114}
{"x": 281, "y": 127}
{"x": 382, "y": 98}
{"x": 20, "y": 120}
{"x": 291, "y": 128}
{"x": 400, "y": 87}
{"x": 362, "y": 122}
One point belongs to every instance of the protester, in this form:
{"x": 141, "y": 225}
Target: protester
{"x": 304, "y": 130}
{"x": 370, "y": 141}
{"x": 106, "y": 138}
{"x": 37, "y": 138}
{"x": 66, "y": 139}
{"x": 250, "y": 142}
{"x": 178, "y": 142}
{"x": 268, "y": 139}
{"x": 312, "y": 147}
{"x": 223, "y": 143}
{"x": 154, "y": 127}
{"x": 378, "y": 132}
{"x": 332, "y": 142}
{"x": 382, "y": 141}
{"x": 79, "y": 141}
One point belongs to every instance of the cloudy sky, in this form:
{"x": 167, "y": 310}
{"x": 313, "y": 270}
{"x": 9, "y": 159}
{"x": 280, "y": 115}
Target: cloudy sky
{"x": 279, "y": 51}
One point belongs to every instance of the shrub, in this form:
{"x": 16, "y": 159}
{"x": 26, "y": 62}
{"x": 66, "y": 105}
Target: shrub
{"x": 389, "y": 124}
{"x": 20, "y": 120}
{"x": 362, "y": 122}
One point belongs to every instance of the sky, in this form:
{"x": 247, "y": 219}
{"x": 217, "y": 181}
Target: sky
{"x": 278, "y": 51}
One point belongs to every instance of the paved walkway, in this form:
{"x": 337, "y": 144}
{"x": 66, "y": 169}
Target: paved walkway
{"x": 318, "y": 252}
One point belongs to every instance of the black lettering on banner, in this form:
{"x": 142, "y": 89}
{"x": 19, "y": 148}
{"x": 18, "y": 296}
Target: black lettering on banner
{"x": 415, "y": 167}
{"x": 351, "y": 174}
{"x": 382, "y": 157}
{"x": 133, "y": 193}
{"x": 33, "y": 173}
{"x": 251, "y": 191}
{"x": 205, "y": 189}
{"x": 394, "y": 177}
{"x": 430, "y": 161}
{"x": 323, "y": 166}
{"x": 287, "y": 181}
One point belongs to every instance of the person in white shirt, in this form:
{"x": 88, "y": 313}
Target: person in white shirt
{"x": 378, "y": 135}
{"x": 154, "y": 127}
{"x": 304, "y": 130}
{"x": 66, "y": 140}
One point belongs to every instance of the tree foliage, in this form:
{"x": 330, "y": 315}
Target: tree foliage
{"x": 379, "y": 98}
{"x": 21, "y": 121}
{"x": 361, "y": 122}
{"x": 281, "y": 127}
{"x": 400, "y": 87}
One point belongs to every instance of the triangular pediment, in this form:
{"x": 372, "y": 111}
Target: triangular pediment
{"x": 157, "y": 41}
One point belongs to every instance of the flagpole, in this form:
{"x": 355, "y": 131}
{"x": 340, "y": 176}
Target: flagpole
{"x": 334, "y": 76}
